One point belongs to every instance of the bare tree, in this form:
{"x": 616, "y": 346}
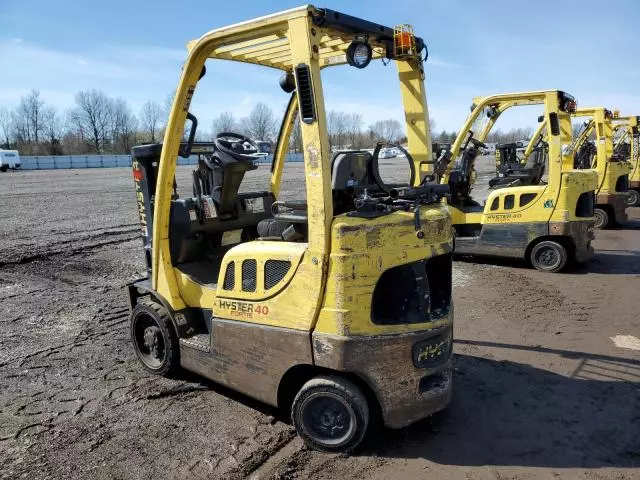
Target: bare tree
{"x": 32, "y": 107}
{"x": 225, "y": 122}
{"x": 295, "y": 141}
{"x": 336, "y": 128}
{"x": 260, "y": 124}
{"x": 150, "y": 117}
{"x": 353, "y": 129}
{"x": 124, "y": 126}
{"x": 6, "y": 125}
{"x": 92, "y": 117}
{"x": 53, "y": 128}
{"x": 386, "y": 130}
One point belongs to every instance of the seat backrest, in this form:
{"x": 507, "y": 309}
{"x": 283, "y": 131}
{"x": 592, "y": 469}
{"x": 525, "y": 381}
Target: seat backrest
{"x": 351, "y": 170}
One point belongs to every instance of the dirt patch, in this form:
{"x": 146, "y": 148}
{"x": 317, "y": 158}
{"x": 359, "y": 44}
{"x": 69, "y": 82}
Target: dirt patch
{"x": 540, "y": 388}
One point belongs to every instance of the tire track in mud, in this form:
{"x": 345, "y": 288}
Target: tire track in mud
{"x": 70, "y": 246}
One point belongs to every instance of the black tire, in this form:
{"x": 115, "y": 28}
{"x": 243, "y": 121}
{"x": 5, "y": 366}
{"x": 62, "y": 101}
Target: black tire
{"x": 548, "y": 256}
{"x": 602, "y": 218}
{"x": 318, "y": 413}
{"x": 3, "y": 169}
{"x": 154, "y": 339}
{"x": 633, "y": 200}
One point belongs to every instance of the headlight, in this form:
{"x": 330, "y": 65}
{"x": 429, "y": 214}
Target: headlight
{"x": 359, "y": 54}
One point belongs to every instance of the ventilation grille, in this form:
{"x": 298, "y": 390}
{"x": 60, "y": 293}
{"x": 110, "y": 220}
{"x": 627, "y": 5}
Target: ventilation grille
{"x": 554, "y": 123}
{"x": 230, "y": 277}
{"x": 274, "y": 272}
{"x": 527, "y": 198}
{"x": 305, "y": 94}
{"x": 249, "y": 274}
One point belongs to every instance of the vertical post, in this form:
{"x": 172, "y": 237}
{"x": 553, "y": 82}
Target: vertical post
{"x": 305, "y": 38}
{"x": 416, "y": 114}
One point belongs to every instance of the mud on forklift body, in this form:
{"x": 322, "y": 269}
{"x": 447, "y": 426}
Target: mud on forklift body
{"x": 548, "y": 223}
{"x": 613, "y": 170}
{"x": 336, "y": 308}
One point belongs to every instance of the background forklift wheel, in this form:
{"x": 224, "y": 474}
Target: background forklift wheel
{"x": 602, "y": 218}
{"x": 154, "y": 339}
{"x": 330, "y": 414}
{"x": 548, "y": 256}
{"x": 633, "y": 200}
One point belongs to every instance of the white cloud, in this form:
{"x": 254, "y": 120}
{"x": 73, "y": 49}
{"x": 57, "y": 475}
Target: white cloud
{"x": 137, "y": 73}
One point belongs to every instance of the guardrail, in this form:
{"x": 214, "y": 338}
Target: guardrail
{"x": 54, "y": 162}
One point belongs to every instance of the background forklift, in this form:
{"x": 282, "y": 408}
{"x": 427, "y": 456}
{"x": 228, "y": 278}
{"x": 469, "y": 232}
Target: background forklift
{"x": 597, "y": 153}
{"x": 612, "y": 169}
{"x": 627, "y": 146}
{"x": 547, "y": 223}
{"x": 336, "y": 307}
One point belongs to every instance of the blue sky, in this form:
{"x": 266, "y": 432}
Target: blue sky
{"x": 134, "y": 49}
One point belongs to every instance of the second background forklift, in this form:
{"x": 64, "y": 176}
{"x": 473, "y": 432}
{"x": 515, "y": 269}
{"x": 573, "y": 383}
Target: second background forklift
{"x": 549, "y": 223}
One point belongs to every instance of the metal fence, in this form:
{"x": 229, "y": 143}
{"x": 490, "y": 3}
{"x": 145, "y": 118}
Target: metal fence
{"x": 53, "y": 162}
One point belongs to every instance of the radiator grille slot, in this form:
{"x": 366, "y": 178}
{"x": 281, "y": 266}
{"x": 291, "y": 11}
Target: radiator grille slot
{"x": 274, "y": 272}
{"x": 230, "y": 277}
{"x": 249, "y": 274}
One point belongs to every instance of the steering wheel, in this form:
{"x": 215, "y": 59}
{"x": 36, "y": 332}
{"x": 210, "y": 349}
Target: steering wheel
{"x": 233, "y": 144}
{"x": 376, "y": 171}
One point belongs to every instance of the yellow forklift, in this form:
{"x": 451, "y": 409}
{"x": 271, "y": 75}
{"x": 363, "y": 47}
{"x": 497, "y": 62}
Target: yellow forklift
{"x": 598, "y": 154}
{"x": 335, "y": 307}
{"x": 550, "y": 222}
{"x": 627, "y": 146}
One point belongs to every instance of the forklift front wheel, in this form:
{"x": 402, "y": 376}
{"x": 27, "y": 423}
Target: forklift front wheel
{"x": 548, "y": 256}
{"x": 154, "y": 339}
{"x": 330, "y": 414}
{"x": 633, "y": 200}
{"x": 602, "y": 218}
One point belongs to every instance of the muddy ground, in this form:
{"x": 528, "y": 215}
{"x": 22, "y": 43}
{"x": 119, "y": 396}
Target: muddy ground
{"x": 541, "y": 390}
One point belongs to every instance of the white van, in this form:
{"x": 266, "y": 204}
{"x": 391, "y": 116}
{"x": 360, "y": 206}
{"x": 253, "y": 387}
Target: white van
{"x": 9, "y": 159}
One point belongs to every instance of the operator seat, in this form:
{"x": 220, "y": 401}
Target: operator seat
{"x": 460, "y": 180}
{"x": 351, "y": 172}
{"x": 529, "y": 174}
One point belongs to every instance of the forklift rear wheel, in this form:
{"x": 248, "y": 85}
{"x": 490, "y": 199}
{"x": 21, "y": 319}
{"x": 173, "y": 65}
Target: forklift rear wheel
{"x": 548, "y": 256}
{"x": 633, "y": 200}
{"x": 153, "y": 338}
{"x": 330, "y": 414}
{"x": 602, "y": 218}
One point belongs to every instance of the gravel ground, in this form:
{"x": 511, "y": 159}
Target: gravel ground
{"x": 541, "y": 390}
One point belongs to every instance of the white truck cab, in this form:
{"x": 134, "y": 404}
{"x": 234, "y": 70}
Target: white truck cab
{"x": 9, "y": 159}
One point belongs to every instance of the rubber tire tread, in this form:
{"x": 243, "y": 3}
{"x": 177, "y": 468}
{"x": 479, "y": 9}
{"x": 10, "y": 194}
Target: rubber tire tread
{"x": 171, "y": 366}
{"x": 350, "y": 393}
{"x": 563, "y": 253}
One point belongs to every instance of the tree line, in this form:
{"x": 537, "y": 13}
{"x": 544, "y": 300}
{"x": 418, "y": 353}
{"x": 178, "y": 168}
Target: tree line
{"x": 495, "y": 136}
{"x": 345, "y": 130}
{"x": 99, "y": 123}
